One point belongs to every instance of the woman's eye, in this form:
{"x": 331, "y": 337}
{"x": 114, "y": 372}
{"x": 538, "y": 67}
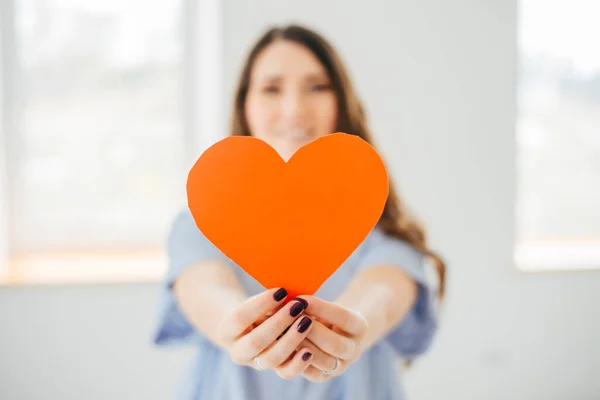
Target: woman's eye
{"x": 321, "y": 87}
{"x": 270, "y": 89}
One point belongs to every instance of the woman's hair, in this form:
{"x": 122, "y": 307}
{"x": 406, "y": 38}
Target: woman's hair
{"x": 395, "y": 220}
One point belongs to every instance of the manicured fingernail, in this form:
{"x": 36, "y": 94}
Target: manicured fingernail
{"x": 296, "y": 309}
{"x": 302, "y": 301}
{"x": 304, "y": 324}
{"x": 306, "y": 356}
{"x": 280, "y": 294}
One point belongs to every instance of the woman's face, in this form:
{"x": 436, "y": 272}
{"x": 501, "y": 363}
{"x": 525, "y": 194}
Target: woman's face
{"x": 290, "y": 100}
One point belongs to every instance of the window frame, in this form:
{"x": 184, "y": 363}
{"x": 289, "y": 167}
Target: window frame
{"x": 202, "y": 125}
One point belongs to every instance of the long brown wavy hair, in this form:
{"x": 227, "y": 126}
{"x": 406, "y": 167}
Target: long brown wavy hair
{"x": 395, "y": 220}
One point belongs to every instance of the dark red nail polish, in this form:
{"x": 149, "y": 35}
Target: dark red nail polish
{"x": 304, "y": 324}
{"x": 306, "y": 356}
{"x": 296, "y": 309}
{"x": 280, "y": 294}
{"x": 302, "y": 301}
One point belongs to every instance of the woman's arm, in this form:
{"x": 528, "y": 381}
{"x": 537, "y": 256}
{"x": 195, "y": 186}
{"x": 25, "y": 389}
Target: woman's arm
{"x": 206, "y": 292}
{"x": 383, "y": 295}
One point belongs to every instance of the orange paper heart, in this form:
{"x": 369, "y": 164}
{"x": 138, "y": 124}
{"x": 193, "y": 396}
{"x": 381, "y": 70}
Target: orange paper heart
{"x": 288, "y": 224}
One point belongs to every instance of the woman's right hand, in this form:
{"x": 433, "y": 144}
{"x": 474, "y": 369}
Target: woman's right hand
{"x": 254, "y": 330}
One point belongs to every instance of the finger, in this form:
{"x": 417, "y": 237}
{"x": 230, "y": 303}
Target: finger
{"x": 255, "y": 342}
{"x": 252, "y": 310}
{"x": 315, "y": 375}
{"x": 296, "y": 365}
{"x": 345, "y": 319}
{"x": 269, "y": 314}
{"x": 325, "y": 322}
{"x": 332, "y": 343}
{"x": 279, "y": 352}
{"x": 320, "y": 359}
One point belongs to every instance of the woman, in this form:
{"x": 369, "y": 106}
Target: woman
{"x": 343, "y": 342}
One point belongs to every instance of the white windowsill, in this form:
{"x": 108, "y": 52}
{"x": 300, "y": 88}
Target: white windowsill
{"x": 85, "y": 268}
{"x": 558, "y": 255}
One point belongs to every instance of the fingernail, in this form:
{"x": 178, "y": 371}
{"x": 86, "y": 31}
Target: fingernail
{"x": 306, "y": 356}
{"x": 280, "y": 294}
{"x": 296, "y": 309}
{"x": 302, "y": 301}
{"x": 304, "y": 324}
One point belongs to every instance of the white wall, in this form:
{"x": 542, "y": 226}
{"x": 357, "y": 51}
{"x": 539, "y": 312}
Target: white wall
{"x": 89, "y": 342}
{"x": 438, "y": 80}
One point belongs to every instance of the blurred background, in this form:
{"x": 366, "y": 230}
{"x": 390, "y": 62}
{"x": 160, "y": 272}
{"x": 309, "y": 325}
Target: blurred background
{"x": 487, "y": 112}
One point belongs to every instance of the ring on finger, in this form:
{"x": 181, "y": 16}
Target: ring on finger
{"x": 257, "y": 364}
{"x": 337, "y": 366}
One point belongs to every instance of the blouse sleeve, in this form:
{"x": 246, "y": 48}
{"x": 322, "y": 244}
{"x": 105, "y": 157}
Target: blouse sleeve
{"x": 186, "y": 245}
{"x": 413, "y": 335}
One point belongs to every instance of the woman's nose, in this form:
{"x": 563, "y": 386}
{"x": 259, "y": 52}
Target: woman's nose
{"x": 295, "y": 105}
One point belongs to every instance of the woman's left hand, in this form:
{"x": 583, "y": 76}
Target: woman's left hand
{"x": 337, "y": 334}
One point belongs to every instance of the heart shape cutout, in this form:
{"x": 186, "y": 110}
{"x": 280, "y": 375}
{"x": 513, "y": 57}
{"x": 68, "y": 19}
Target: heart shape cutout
{"x": 291, "y": 224}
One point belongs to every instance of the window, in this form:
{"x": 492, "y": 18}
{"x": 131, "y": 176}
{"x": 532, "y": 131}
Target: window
{"x": 102, "y": 104}
{"x": 558, "y": 136}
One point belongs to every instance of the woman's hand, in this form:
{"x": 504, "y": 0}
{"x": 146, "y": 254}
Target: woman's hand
{"x": 253, "y": 334}
{"x": 334, "y": 340}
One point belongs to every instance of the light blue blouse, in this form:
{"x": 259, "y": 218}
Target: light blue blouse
{"x": 212, "y": 375}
